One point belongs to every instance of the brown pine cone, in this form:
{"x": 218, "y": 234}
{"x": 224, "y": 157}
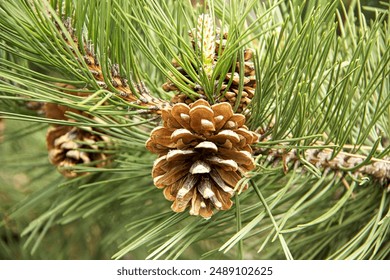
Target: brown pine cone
{"x": 203, "y": 152}
{"x": 68, "y": 147}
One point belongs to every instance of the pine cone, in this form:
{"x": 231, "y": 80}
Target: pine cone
{"x": 229, "y": 90}
{"x": 203, "y": 152}
{"x": 69, "y": 146}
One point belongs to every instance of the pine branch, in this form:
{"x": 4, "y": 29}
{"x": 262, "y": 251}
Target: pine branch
{"x": 321, "y": 73}
{"x": 136, "y": 92}
{"x": 358, "y": 165}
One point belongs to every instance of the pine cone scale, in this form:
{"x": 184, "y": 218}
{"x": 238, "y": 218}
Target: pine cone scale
{"x": 225, "y": 164}
{"x": 177, "y": 155}
{"x": 187, "y": 186}
{"x": 175, "y": 173}
{"x": 181, "y": 116}
{"x": 230, "y": 178}
{"x": 221, "y": 183}
{"x": 207, "y": 146}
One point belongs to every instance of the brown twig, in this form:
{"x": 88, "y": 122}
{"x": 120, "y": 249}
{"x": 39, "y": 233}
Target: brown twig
{"x": 376, "y": 168}
{"x": 121, "y": 85}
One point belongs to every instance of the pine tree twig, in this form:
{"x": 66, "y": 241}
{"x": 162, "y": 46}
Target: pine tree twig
{"x": 141, "y": 97}
{"x": 377, "y": 168}
{"x": 323, "y": 158}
